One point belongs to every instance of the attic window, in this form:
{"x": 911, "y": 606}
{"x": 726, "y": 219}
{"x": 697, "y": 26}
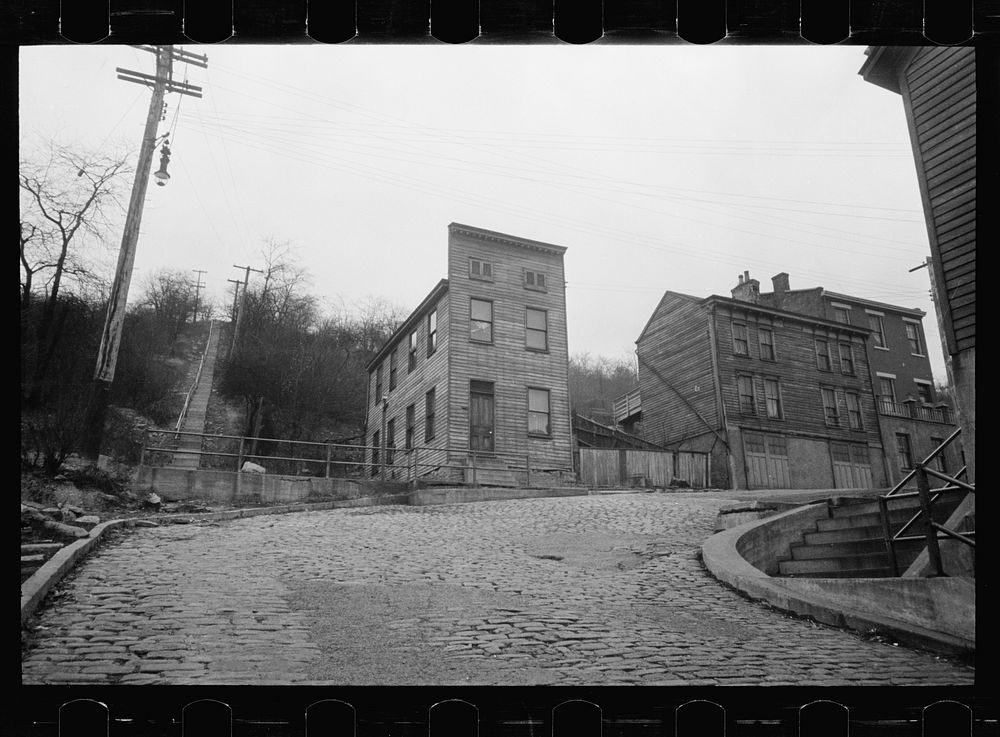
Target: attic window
{"x": 534, "y": 280}
{"x": 479, "y": 269}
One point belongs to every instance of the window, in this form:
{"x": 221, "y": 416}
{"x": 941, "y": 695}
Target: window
{"x": 924, "y": 392}
{"x": 479, "y": 269}
{"x": 914, "y": 337}
{"x": 741, "y": 344}
{"x": 842, "y": 314}
{"x": 748, "y": 405}
{"x": 392, "y": 370}
{"x": 846, "y": 358}
{"x": 375, "y": 451}
{"x": 534, "y": 280}
{"x": 538, "y": 412}
{"x": 904, "y": 450}
{"x": 378, "y": 384}
{"x": 823, "y": 355}
{"x": 413, "y": 352}
{"x": 482, "y": 320}
{"x": 432, "y": 333}
{"x": 878, "y": 330}
{"x": 390, "y": 441}
{"x": 887, "y": 395}
{"x": 772, "y": 398}
{"x": 411, "y": 421}
{"x": 766, "y": 338}
{"x": 536, "y": 330}
{"x": 831, "y": 413}
{"x": 854, "y": 411}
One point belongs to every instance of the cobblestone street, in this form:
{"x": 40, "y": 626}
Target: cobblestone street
{"x": 602, "y": 590}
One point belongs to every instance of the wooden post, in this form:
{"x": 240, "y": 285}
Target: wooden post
{"x": 527, "y": 469}
{"x": 475, "y": 481}
{"x": 142, "y": 450}
{"x": 933, "y": 551}
{"x": 329, "y": 450}
{"x": 239, "y": 457}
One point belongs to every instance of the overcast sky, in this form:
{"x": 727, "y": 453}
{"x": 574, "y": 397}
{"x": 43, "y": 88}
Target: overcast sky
{"x": 658, "y": 168}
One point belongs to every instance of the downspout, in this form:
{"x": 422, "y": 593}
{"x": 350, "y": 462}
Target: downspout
{"x": 720, "y": 405}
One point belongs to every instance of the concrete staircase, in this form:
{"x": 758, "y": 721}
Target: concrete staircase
{"x": 850, "y": 542}
{"x": 197, "y": 409}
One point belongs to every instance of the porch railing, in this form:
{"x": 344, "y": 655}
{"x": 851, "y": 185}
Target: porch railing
{"x": 913, "y": 410}
{"x": 933, "y": 531}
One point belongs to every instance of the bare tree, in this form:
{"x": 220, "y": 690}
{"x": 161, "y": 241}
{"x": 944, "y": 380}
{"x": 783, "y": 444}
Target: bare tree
{"x": 65, "y": 199}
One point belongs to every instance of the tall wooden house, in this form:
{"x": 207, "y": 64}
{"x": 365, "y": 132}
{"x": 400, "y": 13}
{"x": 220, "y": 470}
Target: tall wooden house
{"x": 478, "y": 375}
{"x": 938, "y": 86}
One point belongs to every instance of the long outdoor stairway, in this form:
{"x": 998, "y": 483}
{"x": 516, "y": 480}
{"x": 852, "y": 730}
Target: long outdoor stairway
{"x": 194, "y": 420}
{"x": 850, "y": 543}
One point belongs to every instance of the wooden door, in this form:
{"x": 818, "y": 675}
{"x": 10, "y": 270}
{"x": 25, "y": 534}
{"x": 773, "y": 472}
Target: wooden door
{"x": 851, "y": 468}
{"x": 767, "y": 461}
{"x": 481, "y": 416}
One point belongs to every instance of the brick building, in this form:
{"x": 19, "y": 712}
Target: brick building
{"x": 478, "y": 373}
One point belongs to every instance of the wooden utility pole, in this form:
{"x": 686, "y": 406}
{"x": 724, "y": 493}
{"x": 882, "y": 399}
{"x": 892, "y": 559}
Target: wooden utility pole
{"x": 197, "y": 289}
{"x": 107, "y": 356}
{"x": 236, "y": 295}
{"x": 242, "y": 309}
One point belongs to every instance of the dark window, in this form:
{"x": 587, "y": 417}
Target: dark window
{"x": 924, "y": 392}
{"x": 536, "y": 330}
{"x": 390, "y": 441}
{"x": 748, "y": 405}
{"x": 378, "y": 384}
{"x": 429, "y": 415}
{"x": 842, "y": 314}
{"x": 392, "y": 370}
{"x": 766, "y": 338}
{"x": 411, "y": 420}
{"x": 854, "y": 411}
{"x": 846, "y": 358}
{"x": 822, "y": 355}
{"x": 534, "y": 280}
{"x": 413, "y": 352}
{"x": 482, "y": 320}
{"x": 904, "y": 450}
{"x": 432, "y": 333}
{"x": 538, "y": 412}
{"x": 878, "y": 330}
{"x": 939, "y": 459}
{"x": 479, "y": 269}
{"x": 830, "y": 411}
{"x": 741, "y": 345}
{"x": 914, "y": 338}
{"x": 375, "y": 452}
{"x": 772, "y": 398}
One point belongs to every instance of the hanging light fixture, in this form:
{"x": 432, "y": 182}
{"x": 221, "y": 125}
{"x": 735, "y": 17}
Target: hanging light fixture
{"x": 161, "y": 174}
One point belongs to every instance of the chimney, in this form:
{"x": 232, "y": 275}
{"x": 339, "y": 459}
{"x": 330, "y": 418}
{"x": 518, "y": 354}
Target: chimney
{"x": 747, "y": 290}
{"x": 780, "y": 282}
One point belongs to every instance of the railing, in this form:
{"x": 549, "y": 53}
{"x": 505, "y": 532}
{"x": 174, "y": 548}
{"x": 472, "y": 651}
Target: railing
{"x": 194, "y": 385}
{"x": 915, "y": 411}
{"x": 933, "y": 531}
{"x": 295, "y": 457}
{"x": 627, "y": 405}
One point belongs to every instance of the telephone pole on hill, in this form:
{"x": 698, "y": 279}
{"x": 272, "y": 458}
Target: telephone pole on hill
{"x": 236, "y": 296}
{"x": 161, "y": 83}
{"x": 243, "y": 304}
{"x": 197, "y": 288}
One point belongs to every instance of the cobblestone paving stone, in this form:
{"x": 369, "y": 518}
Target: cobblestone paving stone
{"x": 603, "y": 590}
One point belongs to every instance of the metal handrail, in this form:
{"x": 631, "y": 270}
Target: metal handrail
{"x": 194, "y": 385}
{"x": 934, "y": 531}
{"x": 515, "y": 462}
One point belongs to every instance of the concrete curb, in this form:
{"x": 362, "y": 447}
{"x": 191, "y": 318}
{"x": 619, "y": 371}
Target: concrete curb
{"x": 723, "y": 560}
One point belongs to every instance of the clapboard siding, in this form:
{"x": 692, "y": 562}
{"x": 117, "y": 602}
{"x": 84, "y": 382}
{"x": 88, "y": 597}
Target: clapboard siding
{"x": 800, "y": 379}
{"x": 507, "y": 362}
{"x": 676, "y": 380}
{"x": 938, "y": 86}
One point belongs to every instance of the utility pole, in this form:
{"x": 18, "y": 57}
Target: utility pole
{"x": 236, "y": 295}
{"x": 161, "y": 82}
{"x": 197, "y": 288}
{"x": 243, "y": 304}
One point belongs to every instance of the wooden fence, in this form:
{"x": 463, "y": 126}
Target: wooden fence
{"x": 624, "y": 467}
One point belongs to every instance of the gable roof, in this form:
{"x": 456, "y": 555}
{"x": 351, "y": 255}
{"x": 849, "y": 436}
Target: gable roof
{"x": 659, "y": 304}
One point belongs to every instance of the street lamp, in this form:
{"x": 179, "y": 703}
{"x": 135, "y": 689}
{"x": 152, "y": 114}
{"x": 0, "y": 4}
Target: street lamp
{"x": 161, "y": 174}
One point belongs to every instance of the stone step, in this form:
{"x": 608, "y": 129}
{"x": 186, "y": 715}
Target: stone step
{"x": 884, "y": 572}
{"x": 897, "y": 518}
{"x": 44, "y": 548}
{"x": 816, "y": 566}
{"x": 35, "y": 560}
{"x": 947, "y": 498}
